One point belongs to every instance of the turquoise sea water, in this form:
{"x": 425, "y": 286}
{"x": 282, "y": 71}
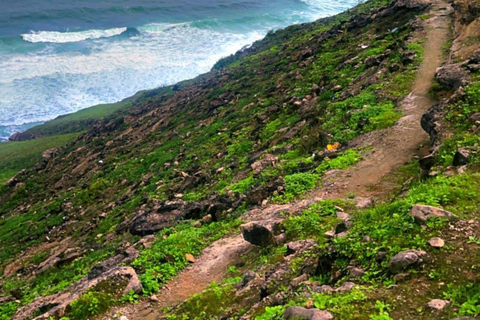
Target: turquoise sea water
{"x": 59, "y": 56}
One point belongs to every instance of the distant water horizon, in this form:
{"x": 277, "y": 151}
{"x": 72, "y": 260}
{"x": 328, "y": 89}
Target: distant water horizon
{"x": 61, "y": 56}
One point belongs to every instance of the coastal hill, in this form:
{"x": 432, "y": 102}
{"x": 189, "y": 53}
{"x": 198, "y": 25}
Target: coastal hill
{"x": 328, "y": 171}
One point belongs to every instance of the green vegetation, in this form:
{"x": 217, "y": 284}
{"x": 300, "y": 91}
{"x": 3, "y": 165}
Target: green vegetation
{"x": 291, "y": 96}
{"x": 166, "y": 257}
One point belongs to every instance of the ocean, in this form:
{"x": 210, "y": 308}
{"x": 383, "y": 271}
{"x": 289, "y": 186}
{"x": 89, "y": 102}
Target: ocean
{"x": 59, "y": 56}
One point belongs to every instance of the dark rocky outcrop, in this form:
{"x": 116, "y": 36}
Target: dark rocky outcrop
{"x": 258, "y": 234}
{"x": 453, "y": 76}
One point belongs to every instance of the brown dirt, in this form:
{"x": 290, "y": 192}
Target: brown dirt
{"x": 391, "y": 148}
{"x": 397, "y": 145}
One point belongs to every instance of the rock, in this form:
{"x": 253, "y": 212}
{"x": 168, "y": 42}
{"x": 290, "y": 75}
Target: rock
{"x": 475, "y": 57}
{"x": 401, "y": 277}
{"x": 257, "y": 234}
{"x": 295, "y": 283}
{"x": 329, "y": 234}
{"x": 309, "y": 304}
{"x": 372, "y": 62}
{"x": 207, "y": 219}
{"x": 343, "y": 216}
{"x": 147, "y": 241}
{"x": 408, "y": 57}
{"x": 123, "y": 318}
{"x": 438, "y": 304}
{"x": 426, "y": 163}
{"x": 56, "y": 304}
{"x": 342, "y": 227}
{"x": 394, "y": 67}
{"x": 190, "y": 258}
{"x": 260, "y": 165}
{"x": 49, "y": 154}
{"x": 154, "y": 298}
{"x": 300, "y": 313}
{"x": 436, "y": 242}
{"x": 404, "y": 259}
{"x": 423, "y": 213}
{"x": 461, "y": 157}
{"x": 356, "y": 273}
{"x": 452, "y": 76}
{"x": 321, "y": 289}
{"x": 150, "y": 223}
{"x": 347, "y": 286}
{"x": 297, "y": 246}
{"x": 164, "y": 215}
{"x": 363, "y": 202}
{"x": 248, "y": 276}
{"x": 196, "y": 224}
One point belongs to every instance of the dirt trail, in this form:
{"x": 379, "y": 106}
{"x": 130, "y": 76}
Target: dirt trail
{"x": 395, "y": 146}
{"x": 391, "y": 148}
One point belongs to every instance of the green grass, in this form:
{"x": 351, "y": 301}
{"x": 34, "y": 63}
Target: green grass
{"x": 15, "y": 156}
{"x": 78, "y": 121}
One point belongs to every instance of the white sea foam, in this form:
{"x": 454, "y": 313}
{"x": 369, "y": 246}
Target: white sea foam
{"x": 65, "y": 37}
{"x": 43, "y": 86}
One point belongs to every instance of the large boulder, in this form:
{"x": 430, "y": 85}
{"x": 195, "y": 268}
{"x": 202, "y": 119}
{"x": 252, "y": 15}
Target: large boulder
{"x": 404, "y": 259}
{"x": 258, "y": 234}
{"x": 165, "y": 215}
{"x": 300, "y": 313}
{"x": 453, "y": 76}
{"x": 423, "y": 213}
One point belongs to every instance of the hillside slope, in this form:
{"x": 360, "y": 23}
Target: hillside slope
{"x": 328, "y": 112}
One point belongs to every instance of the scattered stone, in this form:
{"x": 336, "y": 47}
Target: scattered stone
{"x": 356, "y": 273}
{"x": 366, "y": 239}
{"x": 154, "y": 298}
{"x": 363, "y": 203}
{"x": 300, "y": 313}
{"x": 423, "y": 213}
{"x": 257, "y": 234}
{"x": 280, "y": 239}
{"x": 394, "y": 67}
{"x": 343, "y": 216}
{"x": 404, "y": 259}
{"x": 436, "y": 242}
{"x": 147, "y": 241}
{"x": 329, "y": 234}
{"x": 347, "y": 286}
{"x": 207, "y": 219}
{"x": 248, "y": 276}
{"x": 401, "y": 277}
{"x": 196, "y": 224}
{"x": 321, "y": 289}
{"x": 309, "y": 304}
{"x": 297, "y": 246}
{"x": 342, "y": 227}
{"x": 260, "y": 165}
{"x": 190, "y": 258}
{"x": 123, "y": 318}
{"x": 461, "y": 157}
{"x": 438, "y": 304}
{"x": 299, "y": 280}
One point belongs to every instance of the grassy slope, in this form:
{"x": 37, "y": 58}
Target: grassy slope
{"x": 264, "y": 86}
{"x": 15, "y": 156}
